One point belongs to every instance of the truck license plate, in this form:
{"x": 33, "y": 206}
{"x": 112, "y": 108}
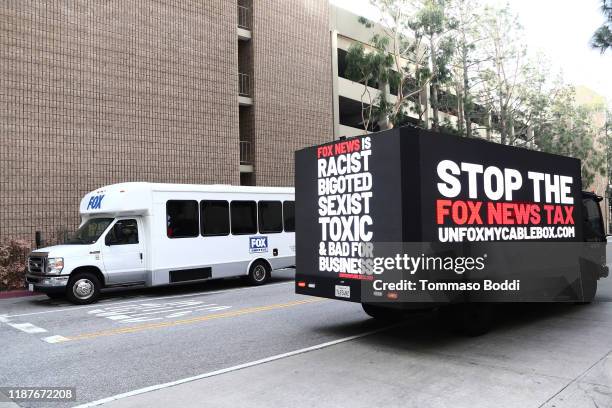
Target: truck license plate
{"x": 30, "y": 287}
{"x": 343, "y": 291}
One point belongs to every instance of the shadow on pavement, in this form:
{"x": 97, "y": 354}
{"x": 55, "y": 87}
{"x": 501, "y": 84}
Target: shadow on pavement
{"x": 115, "y": 294}
{"x": 426, "y": 330}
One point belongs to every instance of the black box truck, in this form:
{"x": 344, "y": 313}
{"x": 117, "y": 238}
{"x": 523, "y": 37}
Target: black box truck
{"x": 411, "y": 219}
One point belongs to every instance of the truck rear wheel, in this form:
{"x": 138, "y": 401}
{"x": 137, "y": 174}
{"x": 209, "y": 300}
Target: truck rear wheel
{"x": 83, "y": 288}
{"x": 589, "y": 289}
{"x": 259, "y": 273}
{"x": 382, "y": 313}
{"x": 471, "y": 319}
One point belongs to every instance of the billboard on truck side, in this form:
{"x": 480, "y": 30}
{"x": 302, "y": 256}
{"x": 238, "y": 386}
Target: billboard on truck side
{"x": 410, "y": 216}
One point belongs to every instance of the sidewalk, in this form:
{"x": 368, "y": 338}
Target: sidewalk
{"x": 5, "y": 402}
{"x": 17, "y": 293}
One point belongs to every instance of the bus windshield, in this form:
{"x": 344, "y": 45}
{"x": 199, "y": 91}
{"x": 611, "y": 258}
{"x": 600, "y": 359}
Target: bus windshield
{"x": 89, "y": 232}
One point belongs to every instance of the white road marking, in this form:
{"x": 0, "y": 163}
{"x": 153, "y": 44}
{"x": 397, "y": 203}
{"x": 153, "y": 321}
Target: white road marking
{"x": 4, "y": 318}
{"x": 142, "y": 312}
{"x": 118, "y": 317}
{"x": 146, "y": 307}
{"x": 54, "y": 339}
{"x": 149, "y": 299}
{"x": 27, "y": 327}
{"x": 230, "y": 369}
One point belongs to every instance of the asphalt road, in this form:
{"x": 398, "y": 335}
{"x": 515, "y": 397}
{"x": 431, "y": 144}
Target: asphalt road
{"x": 134, "y": 339}
{"x": 282, "y": 349}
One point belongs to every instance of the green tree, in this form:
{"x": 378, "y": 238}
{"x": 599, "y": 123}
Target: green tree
{"x": 433, "y": 23}
{"x": 567, "y": 129}
{"x": 466, "y": 60}
{"x": 533, "y": 95}
{"x": 408, "y": 73}
{"x": 506, "y": 71}
{"x": 370, "y": 69}
{"x": 602, "y": 38}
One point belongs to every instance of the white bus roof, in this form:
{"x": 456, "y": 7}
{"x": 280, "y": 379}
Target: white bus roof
{"x": 135, "y": 197}
{"x": 196, "y": 188}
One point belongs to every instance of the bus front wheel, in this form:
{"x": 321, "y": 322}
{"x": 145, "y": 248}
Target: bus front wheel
{"x": 83, "y": 288}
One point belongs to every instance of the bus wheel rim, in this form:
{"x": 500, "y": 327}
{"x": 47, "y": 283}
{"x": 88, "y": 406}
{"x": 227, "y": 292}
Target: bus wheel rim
{"x": 259, "y": 273}
{"x": 83, "y": 289}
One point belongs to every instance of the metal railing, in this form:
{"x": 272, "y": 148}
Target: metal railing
{"x": 244, "y": 84}
{"x": 246, "y": 156}
{"x": 244, "y": 14}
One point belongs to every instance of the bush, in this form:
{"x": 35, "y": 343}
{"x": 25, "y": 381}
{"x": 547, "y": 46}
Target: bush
{"x": 13, "y": 266}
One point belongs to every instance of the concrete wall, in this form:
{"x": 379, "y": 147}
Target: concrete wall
{"x": 93, "y": 93}
{"x": 292, "y": 101}
{"x": 99, "y": 92}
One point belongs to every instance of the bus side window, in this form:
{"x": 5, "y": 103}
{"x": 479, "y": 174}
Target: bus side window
{"x": 289, "y": 216}
{"x": 592, "y": 223}
{"x": 244, "y": 217}
{"x": 270, "y": 216}
{"x": 182, "y": 219}
{"x": 214, "y": 218}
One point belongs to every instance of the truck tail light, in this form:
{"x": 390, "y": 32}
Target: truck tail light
{"x": 302, "y": 284}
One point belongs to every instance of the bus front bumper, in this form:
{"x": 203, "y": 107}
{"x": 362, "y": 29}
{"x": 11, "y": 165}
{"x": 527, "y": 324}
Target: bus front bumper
{"x": 46, "y": 283}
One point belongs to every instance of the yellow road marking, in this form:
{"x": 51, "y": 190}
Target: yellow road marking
{"x": 150, "y": 326}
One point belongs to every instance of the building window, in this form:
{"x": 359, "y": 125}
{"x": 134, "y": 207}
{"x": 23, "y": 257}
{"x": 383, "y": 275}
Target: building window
{"x": 214, "y": 218}
{"x": 244, "y": 217}
{"x": 182, "y": 218}
{"x": 270, "y": 216}
{"x": 289, "y": 216}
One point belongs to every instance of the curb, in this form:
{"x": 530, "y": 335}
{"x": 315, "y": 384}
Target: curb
{"x": 17, "y": 293}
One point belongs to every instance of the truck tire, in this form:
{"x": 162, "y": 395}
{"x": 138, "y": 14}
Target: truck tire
{"x": 472, "y": 319}
{"x": 589, "y": 289}
{"x": 83, "y": 288}
{"x": 259, "y": 273}
{"x": 382, "y": 313}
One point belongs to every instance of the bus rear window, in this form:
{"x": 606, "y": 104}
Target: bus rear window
{"x": 182, "y": 218}
{"x": 270, "y": 217}
{"x": 244, "y": 217}
{"x": 289, "y": 215}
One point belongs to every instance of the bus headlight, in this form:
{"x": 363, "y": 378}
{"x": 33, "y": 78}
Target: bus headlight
{"x": 55, "y": 266}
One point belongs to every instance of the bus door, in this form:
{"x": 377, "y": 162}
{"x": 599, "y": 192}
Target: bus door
{"x": 123, "y": 252}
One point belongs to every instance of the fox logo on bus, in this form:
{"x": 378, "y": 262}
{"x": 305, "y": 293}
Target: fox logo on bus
{"x": 95, "y": 202}
{"x": 258, "y": 244}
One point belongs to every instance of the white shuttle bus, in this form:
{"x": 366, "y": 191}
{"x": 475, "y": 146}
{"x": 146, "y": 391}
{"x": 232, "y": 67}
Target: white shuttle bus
{"x": 146, "y": 234}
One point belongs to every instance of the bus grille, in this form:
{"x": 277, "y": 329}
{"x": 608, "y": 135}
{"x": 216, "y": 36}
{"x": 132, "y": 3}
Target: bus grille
{"x": 36, "y": 264}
